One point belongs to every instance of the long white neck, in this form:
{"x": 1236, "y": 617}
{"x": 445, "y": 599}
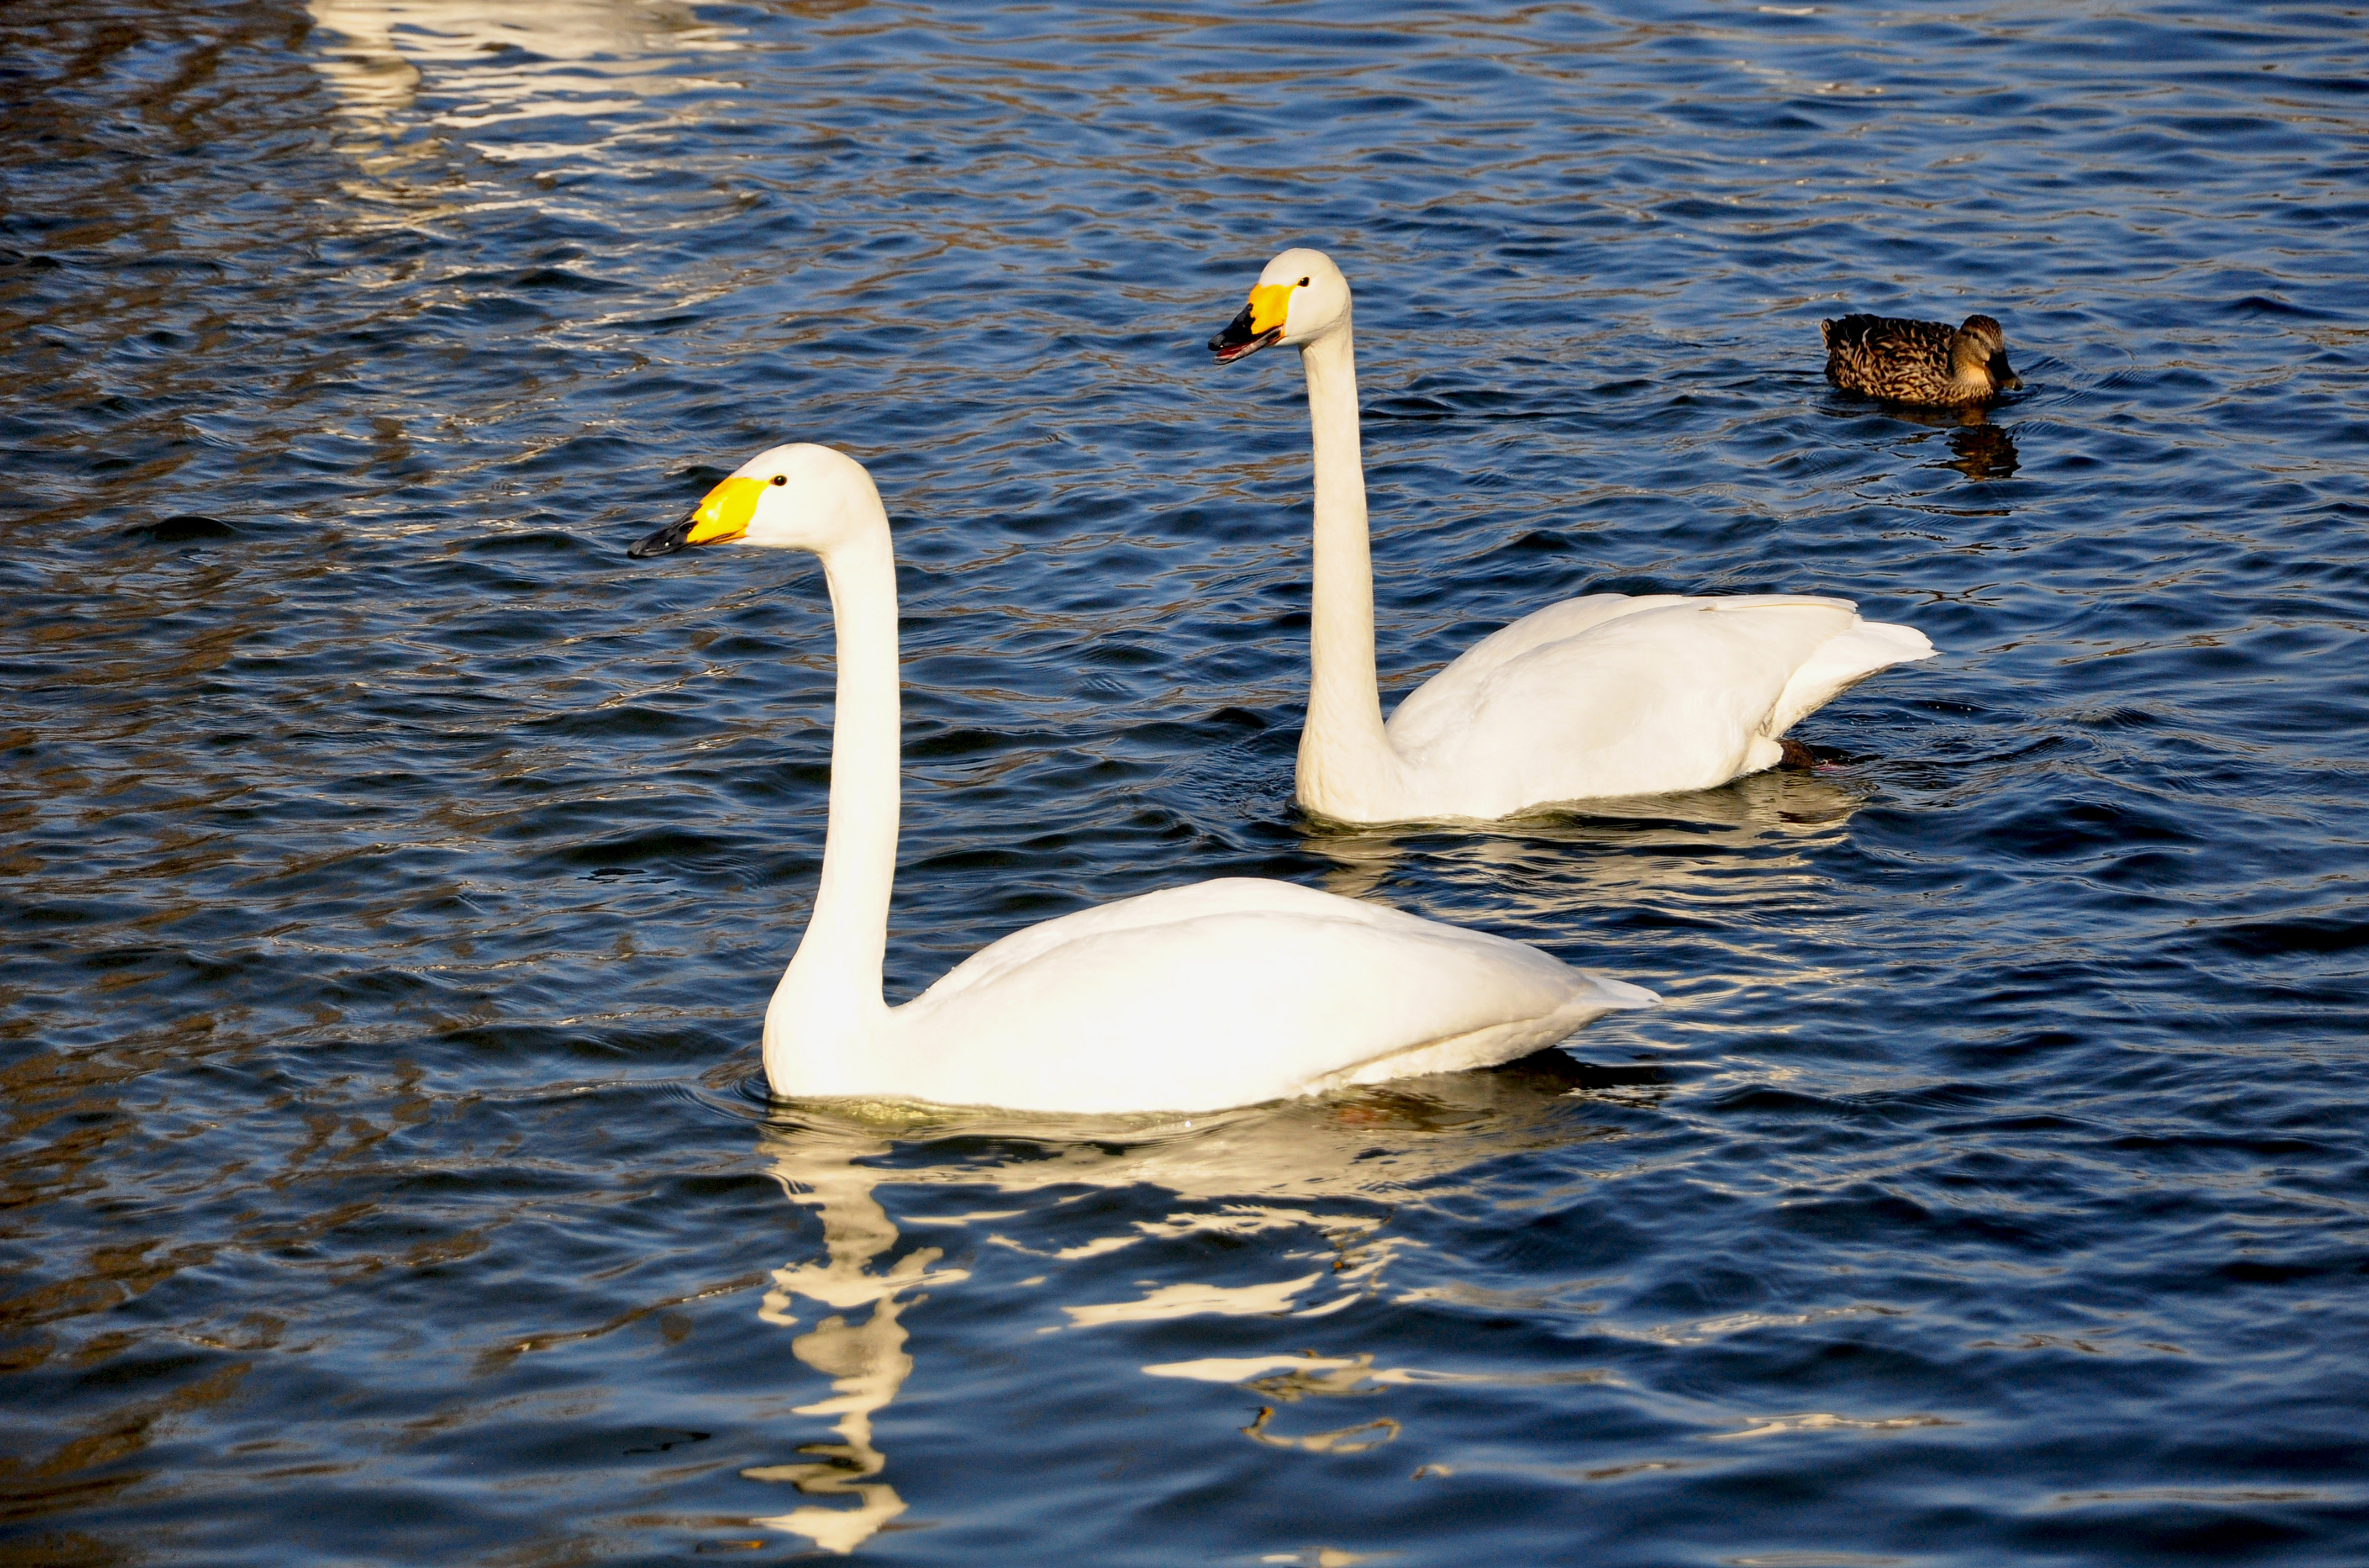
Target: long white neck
{"x": 828, "y": 1010}
{"x": 1347, "y": 766}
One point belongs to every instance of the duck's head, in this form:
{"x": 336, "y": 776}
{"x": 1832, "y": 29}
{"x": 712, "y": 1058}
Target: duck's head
{"x": 1301, "y": 296}
{"x": 799, "y": 496}
{"x": 1978, "y": 353}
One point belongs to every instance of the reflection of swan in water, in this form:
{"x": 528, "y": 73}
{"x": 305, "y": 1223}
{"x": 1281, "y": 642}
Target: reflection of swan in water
{"x": 1681, "y": 851}
{"x": 865, "y": 1361}
{"x": 505, "y": 58}
{"x": 1237, "y": 1173}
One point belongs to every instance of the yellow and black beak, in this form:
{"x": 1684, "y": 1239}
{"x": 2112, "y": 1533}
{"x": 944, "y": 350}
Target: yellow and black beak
{"x": 725, "y": 513}
{"x": 2003, "y": 378}
{"x": 1260, "y": 324}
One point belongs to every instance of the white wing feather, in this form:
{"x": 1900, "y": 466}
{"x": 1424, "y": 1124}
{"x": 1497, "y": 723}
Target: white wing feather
{"x": 1609, "y": 695}
{"x": 1227, "y": 993}
{"x": 1842, "y": 662}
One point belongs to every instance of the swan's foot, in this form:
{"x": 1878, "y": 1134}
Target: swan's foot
{"x": 1796, "y": 753}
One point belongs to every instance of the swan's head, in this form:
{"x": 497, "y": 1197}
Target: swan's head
{"x": 1300, "y": 296}
{"x": 800, "y": 496}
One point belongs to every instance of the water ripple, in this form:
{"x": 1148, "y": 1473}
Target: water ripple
{"x": 393, "y": 874}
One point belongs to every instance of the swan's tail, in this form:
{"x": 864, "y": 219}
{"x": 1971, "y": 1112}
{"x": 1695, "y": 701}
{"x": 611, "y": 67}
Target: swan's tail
{"x": 1592, "y": 996}
{"x": 1842, "y": 662}
{"x": 1616, "y": 995}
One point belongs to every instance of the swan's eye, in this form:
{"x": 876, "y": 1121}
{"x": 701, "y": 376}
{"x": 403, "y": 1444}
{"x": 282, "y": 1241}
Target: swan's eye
{"x": 781, "y": 479}
{"x": 1303, "y": 282}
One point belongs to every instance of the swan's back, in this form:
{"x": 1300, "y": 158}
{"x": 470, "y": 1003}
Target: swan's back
{"x": 1227, "y": 993}
{"x": 1589, "y": 698}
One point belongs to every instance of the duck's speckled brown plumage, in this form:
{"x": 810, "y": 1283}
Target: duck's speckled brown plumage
{"x": 1919, "y": 361}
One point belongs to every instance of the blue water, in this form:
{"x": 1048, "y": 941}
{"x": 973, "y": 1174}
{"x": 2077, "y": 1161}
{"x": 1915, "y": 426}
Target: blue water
{"x": 392, "y": 874}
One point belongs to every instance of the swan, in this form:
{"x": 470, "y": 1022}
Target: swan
{"x": 1606, "y": 695}
{"x": 1220, "y": 994}
{"x": 1919, "y": 361}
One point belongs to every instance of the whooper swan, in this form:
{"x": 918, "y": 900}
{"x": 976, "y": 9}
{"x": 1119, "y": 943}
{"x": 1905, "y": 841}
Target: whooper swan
{"x": 1606, "y": 695}
{"x": 1222, "y": 994}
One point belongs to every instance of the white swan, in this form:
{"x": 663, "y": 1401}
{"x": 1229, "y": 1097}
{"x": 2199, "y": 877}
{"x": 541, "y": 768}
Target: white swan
{"x": 1606, "y": 695}
{"x": 1222, "y": 994}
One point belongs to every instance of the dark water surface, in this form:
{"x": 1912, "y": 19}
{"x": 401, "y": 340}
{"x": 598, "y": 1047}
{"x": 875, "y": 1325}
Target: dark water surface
{"x": 391, "y": 874}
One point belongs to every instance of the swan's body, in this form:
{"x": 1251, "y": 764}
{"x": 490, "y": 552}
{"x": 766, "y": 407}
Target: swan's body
{"x": 1606, "y": 695}
{"x": 1220, "y": 994}
{"x": 1919, "y": 361}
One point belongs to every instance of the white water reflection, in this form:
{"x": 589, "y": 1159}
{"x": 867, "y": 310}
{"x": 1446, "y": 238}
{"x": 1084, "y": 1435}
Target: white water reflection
{"x": 864, "y": 1360}
{"x": 518, "y": 60}
{"x": 1270, "y": 1168}
{"x": 1200, "y": 1300}
{"x": 1740, "y": 858}
{"x": 1293, "y": 1378}
{"x": 1287, "y": 1380}
{"x": 1677, "y": 851}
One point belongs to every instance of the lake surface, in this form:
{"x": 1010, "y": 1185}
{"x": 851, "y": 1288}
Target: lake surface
{"x": 392, "y": 874}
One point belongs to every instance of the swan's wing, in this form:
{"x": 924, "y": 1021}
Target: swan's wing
{"x": 1841, "y": 663}
{"x": 1439, "y": 703}
{"x": 1227, "y": 993}
{"x": 1221, "y": 896}
{"x": 1675, "y": 695}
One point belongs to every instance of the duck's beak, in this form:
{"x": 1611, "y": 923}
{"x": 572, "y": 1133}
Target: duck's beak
{"x": 2002, "y": 378}
{"x": 724, "y": 514}
{"x": 1260, "y": 324}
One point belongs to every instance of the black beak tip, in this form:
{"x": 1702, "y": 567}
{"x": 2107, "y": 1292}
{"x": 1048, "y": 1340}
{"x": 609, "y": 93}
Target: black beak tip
{"x": 666, "y": 541}
{"x": 1230, "y": 346}
{"x": 1236, "y": 338}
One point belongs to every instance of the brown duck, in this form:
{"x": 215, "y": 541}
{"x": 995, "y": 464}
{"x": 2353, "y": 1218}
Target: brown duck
{"x": 1919, "y": 361}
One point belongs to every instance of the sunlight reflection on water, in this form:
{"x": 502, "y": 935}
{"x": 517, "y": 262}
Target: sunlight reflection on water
{"x": 393, "y": 874}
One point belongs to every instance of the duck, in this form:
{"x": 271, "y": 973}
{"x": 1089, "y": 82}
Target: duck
{"x": 1215, "y": 994}
{"x": 1926, "y": 362}
{"x": 1602, "y": 696}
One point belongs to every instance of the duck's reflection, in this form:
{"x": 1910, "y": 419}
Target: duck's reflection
{"x": 1979, "y": 448}
{"x": 1983, "y": 451}
{"x": 1330, "y": 1165}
